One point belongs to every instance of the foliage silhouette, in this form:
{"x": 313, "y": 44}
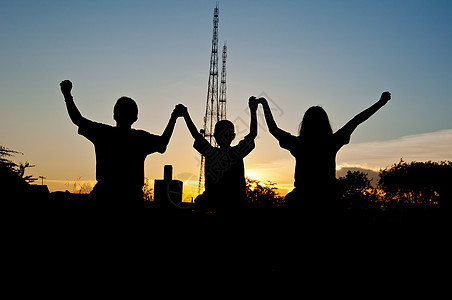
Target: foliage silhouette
{"x": 14, "y": 183}
{"x": 356, "y": 190}
{"x": 423, "y": 183}
{"x": 147, "y": 190}
{"x": 263, "y": 195}
{"x": 18, "y": 169}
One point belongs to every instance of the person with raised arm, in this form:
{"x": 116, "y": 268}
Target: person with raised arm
{"x": 225, "y": 189}
{"x": 120, "y": 150}
{"x": 315, "y": 150}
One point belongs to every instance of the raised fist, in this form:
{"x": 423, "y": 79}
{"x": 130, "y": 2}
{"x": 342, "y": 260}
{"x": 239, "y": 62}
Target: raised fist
{"x": 66, "y": 87}
{"x": 385, "y": 97}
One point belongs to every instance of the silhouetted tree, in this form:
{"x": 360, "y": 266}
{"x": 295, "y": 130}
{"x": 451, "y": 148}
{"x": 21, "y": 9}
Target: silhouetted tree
{"x": 415, "y": 182}
{"x": 262, "y": 195}
{"x": 81, "y": 188}
{"x": 21, "y": 172}
{"x": 18, "y": 169}
{"x": 147, "y": 190}
{"x": 356, "y": 190}
{"x": 4, "y": 153}
{"x": 13, "y": 181}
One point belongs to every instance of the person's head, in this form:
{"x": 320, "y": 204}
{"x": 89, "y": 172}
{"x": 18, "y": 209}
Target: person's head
{"x": 224, "y": 133}
{"x": 315, "y": 124}
{"x": 125, "y": 111}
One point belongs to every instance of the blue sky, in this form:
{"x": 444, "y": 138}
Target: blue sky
{"x": 339, "y": 54}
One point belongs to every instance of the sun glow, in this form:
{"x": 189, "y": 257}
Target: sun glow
{"x": 264, "y": 176}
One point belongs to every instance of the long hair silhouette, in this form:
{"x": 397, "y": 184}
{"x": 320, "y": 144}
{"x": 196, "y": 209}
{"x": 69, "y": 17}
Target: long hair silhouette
{"x": 315, "y": 124}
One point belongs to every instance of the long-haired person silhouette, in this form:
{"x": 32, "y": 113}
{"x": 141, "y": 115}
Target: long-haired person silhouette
{"x": 315, "y": 150}
{"x": 120, "y": 150}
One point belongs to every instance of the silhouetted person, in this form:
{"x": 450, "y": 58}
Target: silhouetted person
{"x": 120, "y": 151}
{"x": 224, "y": 172}
{"x": 315, "y": 150}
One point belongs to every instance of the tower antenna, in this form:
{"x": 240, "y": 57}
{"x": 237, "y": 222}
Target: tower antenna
{"x": 212, "y": 113}
{"x": 222, "y": 96}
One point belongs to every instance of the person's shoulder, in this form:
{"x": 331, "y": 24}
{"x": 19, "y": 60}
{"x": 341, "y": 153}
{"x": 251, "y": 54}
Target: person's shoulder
{"x": 91, "y": 127}
{"x": 247, "y": 139}
{"x": 245, "y": 146}
{"x": 341, "y": 137}
{"x": 93, "y": 124}
{"x": 139, "y": 132}
{"x": 142, "y": 133}
{"x": 286, "y": 138}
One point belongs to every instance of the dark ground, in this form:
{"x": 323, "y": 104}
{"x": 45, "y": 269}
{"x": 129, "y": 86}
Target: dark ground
{"x": 71, "y": 238}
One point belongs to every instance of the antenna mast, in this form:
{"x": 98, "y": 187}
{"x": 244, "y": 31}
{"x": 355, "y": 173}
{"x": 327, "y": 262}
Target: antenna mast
{"x": 211, "y": 116}
{"x": 222, "y": 96}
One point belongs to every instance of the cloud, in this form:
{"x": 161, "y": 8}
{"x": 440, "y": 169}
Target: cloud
{"x": 434, "y": 146}
{"x": 371, "y": 174}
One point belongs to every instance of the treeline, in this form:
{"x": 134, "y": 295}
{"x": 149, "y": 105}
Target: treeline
{"x": 414, "y": 184}
{"x": 426, "y": 184}
{"x": 13, "y": 181}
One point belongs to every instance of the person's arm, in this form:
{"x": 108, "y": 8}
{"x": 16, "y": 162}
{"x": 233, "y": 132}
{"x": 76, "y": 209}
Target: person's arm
{"x": 271, "y": 124}
{"x": 74, "y": 113}
{"x": 168, "y": 132}
{"x": 200, "y": 143}
{"x": 366, "y": 114}
{"x": 253, "y": 103}
{"x": 190, "y": 125}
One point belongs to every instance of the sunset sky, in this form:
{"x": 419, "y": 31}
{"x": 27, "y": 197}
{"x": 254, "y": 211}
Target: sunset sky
{"x": 338, "y": 54}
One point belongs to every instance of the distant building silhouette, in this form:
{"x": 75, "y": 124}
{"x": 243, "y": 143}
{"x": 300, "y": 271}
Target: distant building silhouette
{"x": 38, "y": 191}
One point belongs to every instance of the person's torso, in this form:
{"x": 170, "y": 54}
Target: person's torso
{"x": 225, "y": 177}
{"x": 120, "y": 156}
{"x": 315, "y": 164}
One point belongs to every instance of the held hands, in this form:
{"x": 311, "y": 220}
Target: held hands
{"x": 385, "y": 97}
{"x": 262, "y": 100}
{"x": 252, "y": 103}
{"x": 66, "y": 87}
{"x": 180, "y": 110}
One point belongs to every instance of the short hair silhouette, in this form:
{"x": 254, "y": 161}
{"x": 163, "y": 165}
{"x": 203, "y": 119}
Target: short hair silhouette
{"x": 224, "y": 132}
{"x": 125, "y": 111}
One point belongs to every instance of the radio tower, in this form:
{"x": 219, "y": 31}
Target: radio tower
{"x": 222, "y": 96}
{"x": 216, "y": 104}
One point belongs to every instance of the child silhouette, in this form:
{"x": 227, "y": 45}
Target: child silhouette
{"x": 315, "y": 150}
{"x": 120, "y": 151}
{"x": 224, "y": 169}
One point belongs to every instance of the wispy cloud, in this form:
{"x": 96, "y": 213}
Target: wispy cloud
{"x": 434, "y": 146}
